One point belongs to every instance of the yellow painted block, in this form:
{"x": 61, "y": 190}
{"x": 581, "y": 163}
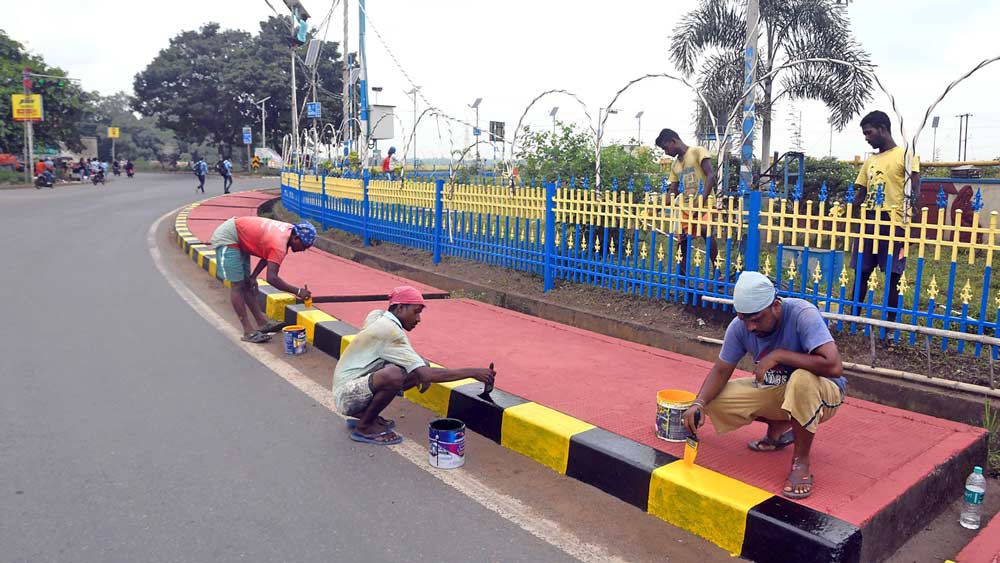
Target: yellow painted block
{"x": 704, "y": 502}
{"x": 204, "y": 256}
{"x": 437, "y": 397}
{"x": 194, "y": 249}
{"x": 276, "y": 305}
{"x": 540, "y": 433}
{"x": 227, "y": 283}
{"x": 213, "y": 268}
{"x": 344, "y": 342}
{"x": 309, "y": 319}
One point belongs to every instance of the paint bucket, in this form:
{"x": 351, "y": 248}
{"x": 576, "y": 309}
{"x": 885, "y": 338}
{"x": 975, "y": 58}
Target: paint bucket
{"x": 670, "y": 407}
{"x": 295, "y": 339}
{"x": 447, "y": 438}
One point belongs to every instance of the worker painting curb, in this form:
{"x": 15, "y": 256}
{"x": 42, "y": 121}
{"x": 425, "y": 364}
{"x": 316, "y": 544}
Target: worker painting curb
{"x": 740, "y": 518}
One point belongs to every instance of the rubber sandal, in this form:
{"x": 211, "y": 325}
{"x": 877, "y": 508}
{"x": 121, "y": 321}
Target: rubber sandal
{"x": 352, "y": 423}
{"x": 374, "y": 438}
{"x": 273, "y": 326}
{"x": 775, "y": 445}
{"x": 256, "y": 337}
{"x": 793, "y": 483}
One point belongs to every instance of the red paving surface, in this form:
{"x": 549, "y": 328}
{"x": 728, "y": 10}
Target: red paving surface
{"x": 985, "y": 547}
{"x": 862, "y": 459}
{"x": 325, "y": 274}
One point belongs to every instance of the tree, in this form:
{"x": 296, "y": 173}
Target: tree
{"x": 711, "y": 40}
{"x": 569, "y": 153}
{"x": 63, "y": 101}
{"x": 202, "y": 86}
{"x": 139, "y": 138}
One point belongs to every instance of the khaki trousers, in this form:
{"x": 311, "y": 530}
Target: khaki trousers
{"x": 807, "y": 398}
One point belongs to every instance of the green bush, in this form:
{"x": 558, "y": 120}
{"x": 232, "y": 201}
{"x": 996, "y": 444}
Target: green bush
{"x": 11, "y": 177}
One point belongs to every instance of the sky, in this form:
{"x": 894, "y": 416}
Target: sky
{"x": 510, "y": 52}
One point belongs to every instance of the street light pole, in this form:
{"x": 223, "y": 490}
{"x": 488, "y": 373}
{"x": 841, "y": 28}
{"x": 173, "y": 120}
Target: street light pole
{"x": 475, "y": 105}
{"x": 413, "y": 93}
{"x": 638, "y": 117}
{"x": 553, "y": 115}
{"x": 263, "y": 115}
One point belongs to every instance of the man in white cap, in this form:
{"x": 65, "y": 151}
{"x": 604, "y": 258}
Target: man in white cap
{"x": 380, "y": 363}
{"x": 798, "y": 375}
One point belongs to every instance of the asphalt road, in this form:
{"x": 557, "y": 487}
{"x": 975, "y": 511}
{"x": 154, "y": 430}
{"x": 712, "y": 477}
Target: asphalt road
{"x": 132, "y": 430}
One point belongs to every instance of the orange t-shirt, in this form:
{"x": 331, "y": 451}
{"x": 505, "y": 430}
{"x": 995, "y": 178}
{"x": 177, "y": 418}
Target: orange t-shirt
{"x": 264, "y": 238}
{"x": 39, "y": 168}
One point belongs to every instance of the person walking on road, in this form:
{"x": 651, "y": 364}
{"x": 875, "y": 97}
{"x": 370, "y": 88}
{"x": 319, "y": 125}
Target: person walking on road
{"x": 239, "y": 238}
{"x": 225, "y": 169}
{"x": 798, "y": 378}
{"x": 200, "y": 169}
{"x": 380, "y": 363}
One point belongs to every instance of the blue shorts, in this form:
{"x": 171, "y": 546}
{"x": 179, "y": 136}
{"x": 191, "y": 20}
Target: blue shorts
{"x": 234, "y": 264}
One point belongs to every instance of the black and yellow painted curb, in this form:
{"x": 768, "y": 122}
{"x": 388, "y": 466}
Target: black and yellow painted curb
{"x": 745, "y": 520}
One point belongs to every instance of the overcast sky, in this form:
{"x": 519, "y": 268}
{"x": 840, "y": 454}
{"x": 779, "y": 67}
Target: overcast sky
{"x": 509, "y": 52}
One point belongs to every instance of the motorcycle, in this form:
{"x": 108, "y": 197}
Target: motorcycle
{"x": 45, "y": 180}
{"x": 116, "y": 169}
{"x": 96, "y": 177}
{"x": 129, "y": 171}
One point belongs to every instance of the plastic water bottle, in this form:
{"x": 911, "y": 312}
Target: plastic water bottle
{"x": 975, "y": 490}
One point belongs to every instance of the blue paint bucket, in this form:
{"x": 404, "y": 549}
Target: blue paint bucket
{"x": 670, "y": 407}
{"x": 447, "y": 438}
{"x": 295, "y": 340}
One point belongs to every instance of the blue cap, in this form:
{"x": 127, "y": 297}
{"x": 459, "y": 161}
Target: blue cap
{"x": 306, "y": 233}
{"x": 392, "y": 150}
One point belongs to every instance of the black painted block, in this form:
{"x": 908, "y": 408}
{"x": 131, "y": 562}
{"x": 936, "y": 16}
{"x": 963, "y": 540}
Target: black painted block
{"x": 292, "y": 312}
{"x": 483, "y": 416}
{"x": 615, "y": 464}
{"x": 780, "y": 530}
{"x": 328, "y": 335}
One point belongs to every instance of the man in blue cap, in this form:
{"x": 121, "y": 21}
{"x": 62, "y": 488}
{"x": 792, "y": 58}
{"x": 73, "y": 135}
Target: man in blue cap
{"x": 798, "y": 376}
{"x": 239, "y": 238}
{"x": 387, "y": 163}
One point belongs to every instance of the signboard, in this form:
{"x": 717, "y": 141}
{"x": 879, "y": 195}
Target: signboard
{"x": 112, "y": 132}
{"x": 314, "y": 109}
{"x": 247, "y": 136}
{"x": 476, "y": 131}
{"x": 26, "y": 107}
{"x": 497, "y": 131}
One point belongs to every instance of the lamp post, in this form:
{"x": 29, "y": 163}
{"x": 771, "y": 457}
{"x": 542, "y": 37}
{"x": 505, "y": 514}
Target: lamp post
{"x": 600, "y": 123}
{"x": 638, "y": 117}
{"x": 552, "y": 114}
{"x": 413, "y": 93}
{"x": 475, "y": 105}
{"x": 263, "y": 115}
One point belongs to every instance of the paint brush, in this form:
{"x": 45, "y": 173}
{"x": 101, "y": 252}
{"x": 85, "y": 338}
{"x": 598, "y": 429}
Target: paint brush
{"x": 691, "y": 446}
{"x": 487, "y": 388}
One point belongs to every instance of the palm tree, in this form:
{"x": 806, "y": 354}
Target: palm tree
{"x": 711, "y": 40}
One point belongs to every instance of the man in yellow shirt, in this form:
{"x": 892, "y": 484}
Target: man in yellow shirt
{"x": 691, "y": 165}
{"x": 887, "y": 169}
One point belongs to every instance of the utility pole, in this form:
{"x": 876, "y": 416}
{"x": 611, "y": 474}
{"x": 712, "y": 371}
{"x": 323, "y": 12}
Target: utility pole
{"x": 749, "y": 103}
{"x": 475, "y": 105}
{"x": 345, "y": 99}
{"x": 363, "y": 83}
{"x": 29, "y": 130}
{"x": 552, "y": 114}
{"x": 295, "y": 110}
{"x": 638, "y": 117}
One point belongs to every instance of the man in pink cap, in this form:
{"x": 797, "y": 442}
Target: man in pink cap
{"x": 380, "y": 363}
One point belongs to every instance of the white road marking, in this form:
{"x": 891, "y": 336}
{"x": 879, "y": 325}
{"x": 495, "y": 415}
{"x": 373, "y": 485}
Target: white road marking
{"x": 504, "y": 505}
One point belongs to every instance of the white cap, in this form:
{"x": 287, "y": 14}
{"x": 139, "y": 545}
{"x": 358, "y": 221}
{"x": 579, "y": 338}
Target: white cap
{"x": 753, "y": 293}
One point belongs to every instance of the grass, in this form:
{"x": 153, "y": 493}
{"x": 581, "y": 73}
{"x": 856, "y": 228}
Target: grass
{"x": 991, "y": 422}
{"x": 10, "y": 177}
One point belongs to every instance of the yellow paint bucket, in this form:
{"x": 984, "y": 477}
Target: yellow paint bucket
{"x": 670, "y": 407}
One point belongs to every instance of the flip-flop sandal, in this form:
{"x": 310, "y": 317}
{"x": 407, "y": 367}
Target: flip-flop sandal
{"x": 766, "y": 444}
{"x": 793, "y": 483}
{"x": 374, "y": 438}
{"x": 352, "y": 423}
{"x": 273, "y": 326}
{"x": 256, "y": 337}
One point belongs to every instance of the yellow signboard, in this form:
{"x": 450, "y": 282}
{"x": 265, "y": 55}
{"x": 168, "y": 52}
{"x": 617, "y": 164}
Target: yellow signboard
{"x": 26, "y": 107}
{"x": 112, "y": 132}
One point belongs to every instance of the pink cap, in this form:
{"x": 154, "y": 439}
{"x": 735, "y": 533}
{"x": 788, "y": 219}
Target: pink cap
{"x": 406, "y": 295}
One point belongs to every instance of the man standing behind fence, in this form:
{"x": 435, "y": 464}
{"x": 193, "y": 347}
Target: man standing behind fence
{"x": 692, "y": 166}
{"x": 887, "y": 169}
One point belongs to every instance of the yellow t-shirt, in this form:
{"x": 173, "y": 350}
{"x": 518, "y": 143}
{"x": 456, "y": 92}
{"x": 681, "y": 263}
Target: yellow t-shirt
{"x": 886, "y": 168}
{"x": 688, "y": 169}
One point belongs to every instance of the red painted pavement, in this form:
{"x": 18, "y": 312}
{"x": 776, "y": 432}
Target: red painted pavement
{"x": 220, "y": 213}
{"x": 862, "y": 459}
{"x": 985, "y": 547}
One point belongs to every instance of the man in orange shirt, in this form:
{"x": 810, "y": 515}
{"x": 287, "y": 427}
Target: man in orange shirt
{"x": 39, "y": 167}
{"x": 241, "y": 237}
